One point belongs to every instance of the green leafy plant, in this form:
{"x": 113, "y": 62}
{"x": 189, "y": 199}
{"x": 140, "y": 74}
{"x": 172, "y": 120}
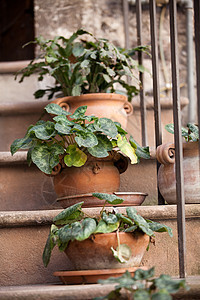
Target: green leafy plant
{"x": 191, "y": 133}
{"x": 82, "y": 66}
{"x": 73, "y": 137}
{"x": 143, "y": 286}
{"x": 73, "y": 224}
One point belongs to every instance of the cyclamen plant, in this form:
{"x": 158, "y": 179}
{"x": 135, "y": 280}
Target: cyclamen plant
{"x": 74, "y": 137}
{"x": 143, "y": 285}
{"x": 191, "y": 133}
{"x": 82, "y": 66}
{"x": 73, "y": 224}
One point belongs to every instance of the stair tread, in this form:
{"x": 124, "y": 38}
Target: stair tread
{"x": 85, "y": 291}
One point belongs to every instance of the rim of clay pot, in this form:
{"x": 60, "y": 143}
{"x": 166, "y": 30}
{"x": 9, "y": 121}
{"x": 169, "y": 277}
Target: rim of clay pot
{"x": 97, "y": 96}
{"x": 90, "y": 201}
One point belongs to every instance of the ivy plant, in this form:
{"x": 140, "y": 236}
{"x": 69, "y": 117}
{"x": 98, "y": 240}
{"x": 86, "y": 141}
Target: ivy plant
{"x": 143, "y": 286}
{"x": 73, "y": 224}
{"x": 83, "y": 64}
{"x": 74, "y": 136}
{"x": 191, "y": 133}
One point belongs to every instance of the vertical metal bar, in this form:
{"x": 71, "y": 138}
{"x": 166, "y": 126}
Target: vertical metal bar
{"x": 178, "y": 139}
{"x": 141, "y": 75}
{"x": 156, "y": 89}
{"x": 190, "y": 62}
{"x": 126, "y": 23}
{"x": 197, "y": 48}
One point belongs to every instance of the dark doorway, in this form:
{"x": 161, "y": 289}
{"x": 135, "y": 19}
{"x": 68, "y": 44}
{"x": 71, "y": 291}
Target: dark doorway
{"x": 16, "y": 29}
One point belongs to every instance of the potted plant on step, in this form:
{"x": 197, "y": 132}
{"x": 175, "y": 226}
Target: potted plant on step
{"x": 167, "y": 177}
{"x": 83, "y": 153}
{"x": 87, "y": 71}
{"x": 108, "y": 240}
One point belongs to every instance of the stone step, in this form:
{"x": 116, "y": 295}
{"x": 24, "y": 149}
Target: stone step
{"x": 23, "y": 235}
{"x": 82, "y": 292}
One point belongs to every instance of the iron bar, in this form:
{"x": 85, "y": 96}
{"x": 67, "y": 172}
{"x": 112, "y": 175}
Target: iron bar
{"x": 141, "y": 75}
{"x": 190, "y": 62}
{"x": 178, "y": 139}
{"x": 126, "y": 23}
{"x": 197, "y": 48}
{"x": 156, "y": 88}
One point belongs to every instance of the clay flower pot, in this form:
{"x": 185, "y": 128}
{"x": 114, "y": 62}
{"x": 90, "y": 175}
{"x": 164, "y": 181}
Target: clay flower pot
{"x": 95, "y": 252}
{"x": 98, "y": 174}
{"x": 167, "y": 176}
{"x": 109, "y": 105}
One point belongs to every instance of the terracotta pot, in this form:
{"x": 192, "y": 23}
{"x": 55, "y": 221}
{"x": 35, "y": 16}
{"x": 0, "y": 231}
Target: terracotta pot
{"x": 95, "y": 252}
{"x": 167, "y": 176}
{"x": 97, "y": 175}
{"x": 112, "y": 106}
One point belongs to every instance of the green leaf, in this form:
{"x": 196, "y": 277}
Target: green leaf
{"x": 103, "y": 227}
{"x": 77, "y": 231}
{"x": 106, "y": 126}
{"x": 101, "y": 149}
{"x": 50, "y": 244}
{"x": 139, "y": 220}
{"x": 110, "y": 218}
{"x": 141, "y": 152}
{"x": 44, "y": 131}
{"x": 157, "y": 227}
{"x": 144, "y": 274}
{"x": 169, "y": 284}
{"x": 55, "y": 109}
{"x": 76, "y": 90}
{"x": 142, "y": 295}
{"x": 24, "y": 143}
{"x": 40, "y": 155}
{"x": 126, "y": 148}
{"x": 161, "y": 295}
{"x": 55, "y": 151}
{"x": 63, "y": 120}
{"x": 75, "y": 157}
{"x": 122, "y": 253}
{"x": 63, "y": 128}
{"x": 124, "y": 219}
{"x": 70, "y": 213}
{"x": 193, "y": 132}
{"x": 79, "y": 112}
{"x": 110, "y": 198}
{"x": 86, "y": 139}
{"x": 78, "y": 49}
{"x": 88, "y": 227}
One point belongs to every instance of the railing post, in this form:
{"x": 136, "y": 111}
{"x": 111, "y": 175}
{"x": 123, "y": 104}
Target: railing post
{"x": 156, "y": 89}
{"x": 178, "y": 139}
{"x": 197, "y": 48}
{"x": 141, "y": 75}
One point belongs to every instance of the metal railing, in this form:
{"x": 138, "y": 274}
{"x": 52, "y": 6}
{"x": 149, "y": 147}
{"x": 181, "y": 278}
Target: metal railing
{"x": 176, "y": 101}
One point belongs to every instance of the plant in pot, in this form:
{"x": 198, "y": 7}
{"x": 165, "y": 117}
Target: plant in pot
{"x": 108, "y": 240}
{"x": 83, "y": 153}
{"x": 87, "y": 71}
{"x": 143, "y": 285}
{"x": 166, "y": 156}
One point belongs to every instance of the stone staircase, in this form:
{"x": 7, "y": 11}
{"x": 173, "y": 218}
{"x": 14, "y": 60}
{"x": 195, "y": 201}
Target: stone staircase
{"x": 28, "y": 205}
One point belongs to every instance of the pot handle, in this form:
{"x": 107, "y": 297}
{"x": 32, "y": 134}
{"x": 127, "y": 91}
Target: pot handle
{"x": 128, "y": 107}
{"x": 62, "y": 102}
{"x": 56, "y": 170}
{"x": 165, "y": 154}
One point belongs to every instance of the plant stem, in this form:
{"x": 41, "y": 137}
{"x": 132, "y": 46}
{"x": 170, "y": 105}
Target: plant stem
{"x": 102, "y": 210}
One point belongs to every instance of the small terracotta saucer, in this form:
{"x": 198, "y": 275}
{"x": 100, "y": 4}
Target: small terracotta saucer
{"x": 92, "y": 276}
